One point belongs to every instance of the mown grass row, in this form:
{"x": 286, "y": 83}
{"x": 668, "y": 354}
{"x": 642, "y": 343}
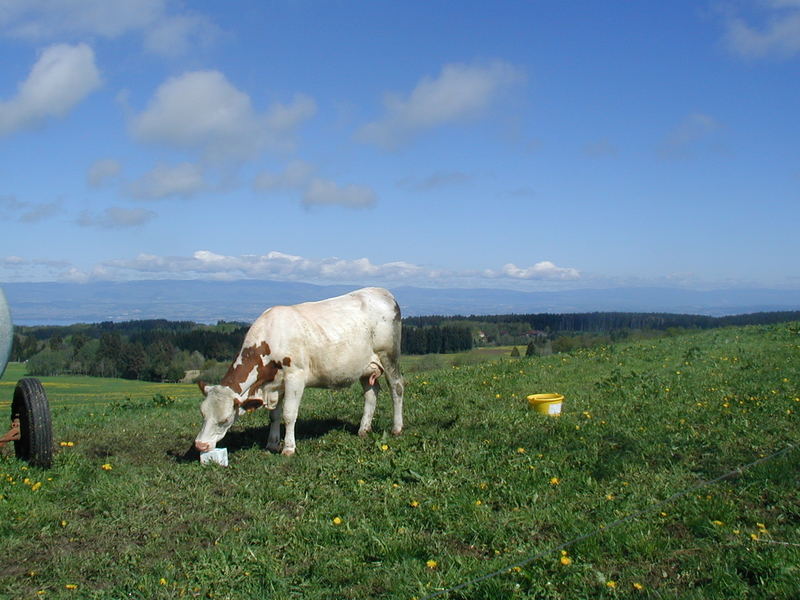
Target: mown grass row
{"x": 478, "y": 482}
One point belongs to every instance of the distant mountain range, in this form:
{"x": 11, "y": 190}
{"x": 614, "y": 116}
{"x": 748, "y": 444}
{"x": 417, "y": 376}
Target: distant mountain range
{"x": 211, "y": 301}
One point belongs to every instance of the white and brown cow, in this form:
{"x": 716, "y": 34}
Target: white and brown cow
{"x": 326, "y": 344}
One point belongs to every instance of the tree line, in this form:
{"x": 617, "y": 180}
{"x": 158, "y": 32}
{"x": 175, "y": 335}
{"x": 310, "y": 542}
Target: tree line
{"x": 161, "y": 350}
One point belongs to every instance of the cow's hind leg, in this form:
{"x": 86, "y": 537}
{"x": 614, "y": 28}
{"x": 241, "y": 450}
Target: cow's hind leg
{"x": 395, "y": 379}
{"x": 369, "y": 384}
{"x": 293, "y": 392}
{"x": 274, "y": 439}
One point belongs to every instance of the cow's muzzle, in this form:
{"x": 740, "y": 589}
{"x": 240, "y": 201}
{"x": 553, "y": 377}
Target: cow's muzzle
{"x": 203, "y": 446}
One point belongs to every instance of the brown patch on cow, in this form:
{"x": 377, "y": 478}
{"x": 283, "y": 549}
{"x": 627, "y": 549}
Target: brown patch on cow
{"x": 287, "y": 361}
{"x": 249, "y": 358}
{"x": 251, "y": 404}
{"x": 202, "y": 386}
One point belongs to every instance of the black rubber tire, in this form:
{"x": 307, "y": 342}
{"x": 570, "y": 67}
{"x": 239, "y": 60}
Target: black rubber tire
{"x": 30, "y": 406}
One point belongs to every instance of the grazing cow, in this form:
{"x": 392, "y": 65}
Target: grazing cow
{"x": 326, "y": 344}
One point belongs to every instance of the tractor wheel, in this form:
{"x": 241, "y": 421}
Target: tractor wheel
{"x": 30, "y": 406}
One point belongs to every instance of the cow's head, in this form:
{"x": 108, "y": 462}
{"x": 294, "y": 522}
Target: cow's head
{"x": 219, "y": 408}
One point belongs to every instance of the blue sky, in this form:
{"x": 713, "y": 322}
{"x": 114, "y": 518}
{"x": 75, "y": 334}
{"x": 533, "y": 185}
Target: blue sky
{"x": 531, "y": 145}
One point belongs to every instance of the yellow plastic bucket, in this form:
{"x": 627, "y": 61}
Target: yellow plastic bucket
{"x": 546, "y": 404}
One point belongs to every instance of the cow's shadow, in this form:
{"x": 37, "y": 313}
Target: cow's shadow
{"x": 256, "y": 437}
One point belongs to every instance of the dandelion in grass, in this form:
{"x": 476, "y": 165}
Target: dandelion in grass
{"x": 71, "y": 586}
{"x": 717, "y": 523}
{"x": 337, "y": 521}
{"x": 520, "y": 450}
{"x": 554, "y": 481}
{"x": 431, "y": 564}
{"x": 612, "y": 584}
{"x": 162, "y": 581}
{"x": 107, "y": 467}
{"x": 413, "y": 504}
{"x": 638, "y": 586}
{"x": 565, "y": 559}
{"x": 384, "y": 447}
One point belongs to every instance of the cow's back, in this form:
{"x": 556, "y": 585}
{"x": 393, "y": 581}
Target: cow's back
{"x": 332, "y": 340}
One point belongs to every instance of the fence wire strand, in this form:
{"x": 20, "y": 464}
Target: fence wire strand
{"x": 607, "y": 527}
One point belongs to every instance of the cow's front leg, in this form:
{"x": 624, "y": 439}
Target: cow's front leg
{"x": 292, "y": 394}
{"x": 274, "y": 439}
{"x": 370, "y": 386}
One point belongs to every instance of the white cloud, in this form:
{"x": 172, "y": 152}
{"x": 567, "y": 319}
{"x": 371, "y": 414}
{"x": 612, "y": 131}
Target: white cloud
{"x": 298, "y": 176}
{"x": 27, "y": 212}
{"x": 545, "y": 270}
{"x": 202, "y": 111}
{"x": 460, "y": 92}
{"x": 778, "y": 35}
{"x": 322, "y": 192}
{"x": 281, "y": 266}
{"x": 62, "y": 77}
{"x": 176, "y": 35}
{"x": 163, "y": 181}
{"x": 116, "y": 217}
{"x": 434, "y": 181}
{"x": 164, "y": 32}
{"x": 689, "y": 133}
{"x": 103, "y": 171}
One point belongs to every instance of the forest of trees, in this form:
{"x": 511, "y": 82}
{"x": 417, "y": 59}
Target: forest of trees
{"x": 160, "y": 350}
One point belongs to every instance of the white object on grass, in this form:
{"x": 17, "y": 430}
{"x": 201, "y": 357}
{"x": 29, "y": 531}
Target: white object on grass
{"x": 217, "y": 455}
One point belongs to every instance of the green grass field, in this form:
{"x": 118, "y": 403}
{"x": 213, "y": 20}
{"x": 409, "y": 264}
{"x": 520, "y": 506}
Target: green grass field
{"x": 479, "y": 483}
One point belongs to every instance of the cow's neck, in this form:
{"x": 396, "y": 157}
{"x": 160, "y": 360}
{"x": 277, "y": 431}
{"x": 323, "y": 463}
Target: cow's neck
{"x": 251, "y": 369}
{"x": 247, "y": 369}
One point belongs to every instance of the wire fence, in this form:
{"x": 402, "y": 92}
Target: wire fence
{"x": 609, "y": 526}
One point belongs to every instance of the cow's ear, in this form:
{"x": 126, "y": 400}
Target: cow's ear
{"x": 203, "y": 387}
{"x": 252, "y": 403}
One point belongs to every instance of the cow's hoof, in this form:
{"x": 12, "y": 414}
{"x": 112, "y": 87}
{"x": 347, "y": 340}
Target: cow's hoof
{"x": 397, "y": 431}
{"x": 274, "y": 447}
{"x": 287, "y": 452}
{"x": 362, "y": 433}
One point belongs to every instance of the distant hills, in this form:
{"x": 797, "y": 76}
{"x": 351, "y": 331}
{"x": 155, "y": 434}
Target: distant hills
{"x": 244, "y": 300}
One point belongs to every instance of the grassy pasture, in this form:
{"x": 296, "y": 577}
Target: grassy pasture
{"x": 478, "y": 482}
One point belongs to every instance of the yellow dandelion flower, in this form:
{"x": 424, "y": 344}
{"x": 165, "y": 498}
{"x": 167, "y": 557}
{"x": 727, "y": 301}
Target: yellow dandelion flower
{"x": 609, "y": 496}
{"x": 611, "y": 584}
{"x": 554, "y": 481}
{"x": 431, "y": 564}
{"x": 520, "y": 450}
{"x": 107, "y": 467}
{"x": 162, "y": 581}
{"x": 413, "y": 504}
{"x": 337, "y": 520}
{"x": 71, "y": 586}
{"x": 566, "y": 560}
{"x": 478, "y": 502}
{"x": 36, "y": 486}
{"x": 384, "y": 447}
{"x": 638, "y": 586}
